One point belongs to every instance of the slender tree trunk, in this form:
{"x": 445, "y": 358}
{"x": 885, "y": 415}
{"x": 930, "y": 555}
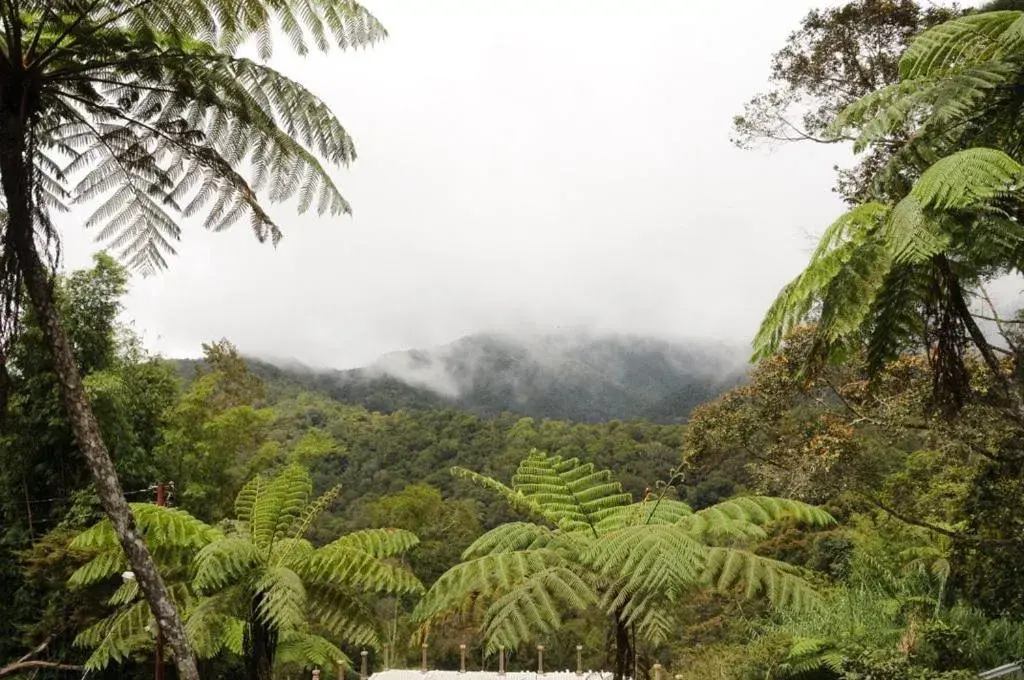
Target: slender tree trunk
{"x": 260, "y": 646}
{"x": 14, "y": 174}
{"x": 623, "y": 650}
{"x": 978, "y": 337}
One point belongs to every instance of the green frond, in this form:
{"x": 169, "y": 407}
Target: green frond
{"x": 846, "y": 261}
{"x": 161, "y": 528}
{"x": 727, "y": 569}
{"x": 282, "y": 598}
{"x": 248, "y": 497}
{"x": 515, "y": 499}
{"x": 758, "y": 510}
{"x": 966, "y": 178}
{"x": 291, "y": 552}
{"x": 224, "y": 562}
{"x": 303, "y": 650}
{"x": 314, "y": 510}
{"x": 969, "y": 39}
{"x": 895, "y": 319}
{"x": 116, "y": 638}
{"x": 570, "y": 494}
{"x": 483, "y": 576}
{"x": 167, "y": 532}
{"x": 643, "y": 560}
{"x": 99, "y": 568}
{"x": 344, "y": 566}
{"x": 664, "y": 511}
{"x": 280, "y": 506}
{"x": 535, "y": 607}
{"x": 345, "y": 615}
{"x": 808, "y": 654}
{"x": 510, "y": 537}
{"x": 211, "y": 630}
{"x": 379, "y": 543}
{"x": 912, "y": 236}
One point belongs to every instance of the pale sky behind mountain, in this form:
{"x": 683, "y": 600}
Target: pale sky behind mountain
{"x": 524, "y": 165}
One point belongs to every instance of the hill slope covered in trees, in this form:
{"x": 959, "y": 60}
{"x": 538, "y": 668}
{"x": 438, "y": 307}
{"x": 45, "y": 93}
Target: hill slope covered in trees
{"x": 583, "y": 378}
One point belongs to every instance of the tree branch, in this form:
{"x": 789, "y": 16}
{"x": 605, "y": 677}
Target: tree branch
{"x": 28, "y": 663}
{"x": 21, "y": 666}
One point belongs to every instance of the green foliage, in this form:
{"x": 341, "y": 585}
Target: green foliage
{"x": 593, "y": 546}
{"x": 256, "y": 579}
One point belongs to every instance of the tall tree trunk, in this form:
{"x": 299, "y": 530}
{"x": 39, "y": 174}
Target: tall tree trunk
{"x": 14, "y": 175}
{"x": 260, "y": 645}
{"x": 623, "y": 650}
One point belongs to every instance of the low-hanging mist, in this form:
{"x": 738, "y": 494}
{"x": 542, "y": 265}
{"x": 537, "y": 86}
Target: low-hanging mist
{"x": 575, "y": 376}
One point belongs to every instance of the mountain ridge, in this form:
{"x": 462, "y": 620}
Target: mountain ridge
{"x": 583, "y": 377}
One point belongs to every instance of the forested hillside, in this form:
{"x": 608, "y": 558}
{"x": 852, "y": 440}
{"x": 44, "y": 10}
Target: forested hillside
{"x": 853, "y": 509}
{"x": 583, "y": 378}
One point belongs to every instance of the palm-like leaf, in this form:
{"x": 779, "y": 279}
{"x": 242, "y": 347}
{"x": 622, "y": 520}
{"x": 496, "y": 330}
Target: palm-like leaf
{"x": 262, "y": 558}
{"x": 160, "y": 120}
{"x": 595, "y": 547}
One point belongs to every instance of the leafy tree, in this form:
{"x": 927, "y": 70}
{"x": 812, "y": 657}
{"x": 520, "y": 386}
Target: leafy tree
{"x": 256, "y": 588}
{"x": 217, "y": 433}
{"x": 591, "y": 546}
{"x": 155, "y": 115}
{"x": 836, "y": 56}
{"x": 900, "y": 274}
{"x": 44, "y": 478}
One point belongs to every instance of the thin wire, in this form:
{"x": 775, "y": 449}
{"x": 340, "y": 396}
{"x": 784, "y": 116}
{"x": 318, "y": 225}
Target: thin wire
{"x": 54, "y": 499}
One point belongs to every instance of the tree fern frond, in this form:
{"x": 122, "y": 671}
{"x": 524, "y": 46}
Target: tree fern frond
{"x": 966, "y": 178}
{"x": 510, "y": 537}
{"x": 378, "y": 543}
{"x": 728, "y": 568}
{"x": 314, "y": 510}
{"x": 663, "y": 511}
{"x": 515, "y": 499}
{"x": 758, "y": 510}
{"x": 118, "y": 637}
{"x": 304, "y": 649}
{"x": 282, "y": 599}
{"x": 535, "y": 606}
{"x": 967, "y": 39}
{"x": 839, "y": 250}
{"x": 223, "y": 562}
{"x": 483, "y": 575}
{"x": 338, "y": 566}
{"x": 344, "y": 615}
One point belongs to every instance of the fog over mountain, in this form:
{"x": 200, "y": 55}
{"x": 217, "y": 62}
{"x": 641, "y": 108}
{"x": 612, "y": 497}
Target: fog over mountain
{"x": 574, "y": 375}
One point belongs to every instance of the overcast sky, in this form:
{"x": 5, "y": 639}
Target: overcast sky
{"x": 523, "y": 164}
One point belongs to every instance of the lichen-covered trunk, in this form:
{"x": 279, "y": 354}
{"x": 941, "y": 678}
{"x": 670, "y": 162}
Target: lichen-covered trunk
{"x": 14, "y": 175}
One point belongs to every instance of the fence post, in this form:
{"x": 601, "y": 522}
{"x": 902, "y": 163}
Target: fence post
{"x": 316, "y": 674}
{"x": 579, "y": 659}
{"x": 462, "y": 658}
{"x": 540, "y": 659}
{"x": 363, "y": 674}
{"x": 501, "y": 660}
{"x": 423, "y": 658}
{"x": 657, "y": 671}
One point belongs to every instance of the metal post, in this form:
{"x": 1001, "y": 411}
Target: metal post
{"x": 579, "y": 659}
{"x": 363, "y": 674}
{"x": 423, "y": 658}
{"x": 501, "y": 661}
{"x": 540, "y": 659}
{"x": 161, "y": 500}
{"x": 462, "y": 658}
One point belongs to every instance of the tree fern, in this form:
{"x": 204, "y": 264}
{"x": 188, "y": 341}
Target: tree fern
{"x": 258, "y": 573}
{"x": 591, "y": 546}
